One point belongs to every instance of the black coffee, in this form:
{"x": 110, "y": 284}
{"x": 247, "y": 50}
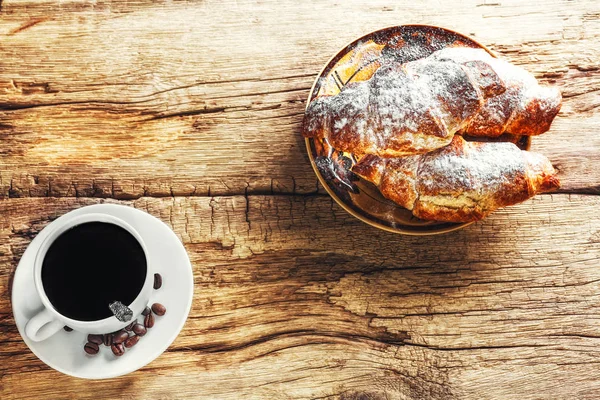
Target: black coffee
{"x": 90, "y": 266}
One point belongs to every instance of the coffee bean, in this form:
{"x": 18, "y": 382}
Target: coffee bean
{"x": 129, "y": 327}
{"x": 108, "y": 339}
{"x": 139, "y": 329}
{"x": 97, "y": 339}
{"x": 66, "y": 328}
{"x": 120, "y": 337}
{"x": 91, "y": 348}
{"x": 146, "y": 311}
{"x": 132, "y": 341}
{"x": 159, "y": 309}
{"x": 117, "y": 349}
{"x": 157, "y": 281}
{"x": 149, "y": 321}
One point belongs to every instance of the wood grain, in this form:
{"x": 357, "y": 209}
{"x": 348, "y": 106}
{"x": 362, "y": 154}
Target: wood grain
{"x": 105, "y": 99}
{"x": 191, "y": 111}
{"x": 294, "y": 298}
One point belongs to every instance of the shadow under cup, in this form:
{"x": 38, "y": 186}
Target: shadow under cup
{"x": 91, "y": 265}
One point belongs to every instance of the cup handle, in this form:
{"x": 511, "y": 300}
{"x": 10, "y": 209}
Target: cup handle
{"x": 42, "y": 326}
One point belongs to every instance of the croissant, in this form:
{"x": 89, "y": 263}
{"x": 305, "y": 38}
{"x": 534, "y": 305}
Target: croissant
{"x": 464, "y": 181}
{"x": 523, "y": 108}
{"x": 416, "y": 107}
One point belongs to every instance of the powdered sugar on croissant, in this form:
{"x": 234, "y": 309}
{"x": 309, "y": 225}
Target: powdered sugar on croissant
{"x": 462, "y": 182}
{"x": 418, "y": 106}
{"x": 523, "y": 108}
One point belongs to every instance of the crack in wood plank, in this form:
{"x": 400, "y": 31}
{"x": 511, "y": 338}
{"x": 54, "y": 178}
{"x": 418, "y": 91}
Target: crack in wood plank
{"x": 26, "y": 25}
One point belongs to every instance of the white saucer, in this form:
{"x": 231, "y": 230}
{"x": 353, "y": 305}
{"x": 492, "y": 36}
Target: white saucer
{"x": 64, "y": 351}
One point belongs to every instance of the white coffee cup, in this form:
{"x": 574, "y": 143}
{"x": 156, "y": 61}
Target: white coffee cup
{"x": 49, "y": 321}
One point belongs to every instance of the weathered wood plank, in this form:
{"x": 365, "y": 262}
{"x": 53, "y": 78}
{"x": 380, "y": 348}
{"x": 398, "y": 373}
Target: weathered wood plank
{"x": 297, "y": 299}
{"x": 136, "y": 100}
{"x": 107, "y": 99}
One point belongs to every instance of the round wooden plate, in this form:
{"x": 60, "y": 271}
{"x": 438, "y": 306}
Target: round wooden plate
{"x": 358, "y": 62}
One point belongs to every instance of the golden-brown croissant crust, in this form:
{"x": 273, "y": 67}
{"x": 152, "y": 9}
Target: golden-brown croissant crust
{"x": 462, "y": 182}
{"x": 416, "y": 107}
{"x": 522, "y": 108}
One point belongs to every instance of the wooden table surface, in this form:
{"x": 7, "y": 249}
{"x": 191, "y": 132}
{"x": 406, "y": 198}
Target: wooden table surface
{"x": 191, "y": 111}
